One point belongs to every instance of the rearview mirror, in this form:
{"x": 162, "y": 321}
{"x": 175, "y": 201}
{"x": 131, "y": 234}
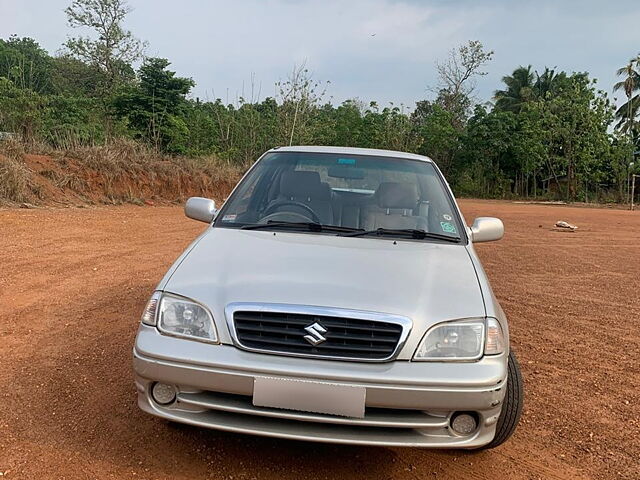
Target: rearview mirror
{"x": 201, "y": 209}
{"x": 486, "y": 229}
{"x": 345, "y": 171}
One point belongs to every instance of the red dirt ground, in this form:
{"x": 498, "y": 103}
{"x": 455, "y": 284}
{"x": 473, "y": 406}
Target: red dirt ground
{"x": 74, "y": 281}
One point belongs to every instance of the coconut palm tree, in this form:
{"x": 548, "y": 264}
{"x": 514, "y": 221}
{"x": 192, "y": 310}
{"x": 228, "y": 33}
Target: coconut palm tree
{"x": 524, "y": 85}
{"x": 520, "y": 89}
{"x": 630, "y": 84}
{"x": 548, "y": 82}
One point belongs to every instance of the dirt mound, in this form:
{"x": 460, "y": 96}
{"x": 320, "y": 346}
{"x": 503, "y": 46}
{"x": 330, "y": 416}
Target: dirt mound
{"x": 115, "y": 174}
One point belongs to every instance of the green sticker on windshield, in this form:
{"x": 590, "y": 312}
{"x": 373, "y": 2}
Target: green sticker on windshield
{"x": 346, "y": 161}
{"x": 448, "y": 227}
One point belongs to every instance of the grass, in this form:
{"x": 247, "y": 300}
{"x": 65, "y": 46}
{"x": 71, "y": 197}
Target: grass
{"x": 120, "y": 171}
{"x": 14, "y": 179}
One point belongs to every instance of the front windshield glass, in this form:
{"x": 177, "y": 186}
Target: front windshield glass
{"x": 352, "y": 191}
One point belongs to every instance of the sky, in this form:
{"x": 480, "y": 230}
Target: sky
{"x": 382, "y": 50}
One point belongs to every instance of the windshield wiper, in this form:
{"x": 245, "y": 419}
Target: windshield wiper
{"x": 310, "y": 226}
{"x": 403, "y": 232}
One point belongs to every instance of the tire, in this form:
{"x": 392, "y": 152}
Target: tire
{"x": 512, "y": 404}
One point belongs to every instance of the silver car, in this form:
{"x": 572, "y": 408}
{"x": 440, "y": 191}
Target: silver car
{"x": 335, "y": 297}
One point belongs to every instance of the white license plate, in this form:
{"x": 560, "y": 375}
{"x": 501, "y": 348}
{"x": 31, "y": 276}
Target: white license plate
{"x": 306, "y": 396}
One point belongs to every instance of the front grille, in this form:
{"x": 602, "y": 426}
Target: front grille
{"x": 345, "y": 338}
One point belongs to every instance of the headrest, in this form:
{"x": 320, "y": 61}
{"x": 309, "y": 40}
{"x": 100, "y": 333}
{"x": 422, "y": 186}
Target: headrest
{"x": 296, "y": 184}
{"x": 397, "y": 195}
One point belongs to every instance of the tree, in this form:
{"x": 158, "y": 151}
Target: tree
{"x": 388, "y": 128}
{"x": 520, "y": 89}
{"x": 115, "y": 48}
{"x": 616, "y": 165}
{"x": 70, "y": 121}
{"x": 457, "y": 78}
{"x": 529, "y": 148}
{"x": 630, "y": 84}
{"x": 155, "y": 108}
{"x": 343, "y": 125}
{"x": 440, "y": 137}
{"x": 71, "y": 76}
{"x": 21, "y": 110}
{"x": 299, "y": 96}
{"x": 524, "y": 86}
{"x": 488, "y": 147}
{"x": 26, "y": 64}
{"x": 576, "y": 120}
{"x": 549, "y": 82}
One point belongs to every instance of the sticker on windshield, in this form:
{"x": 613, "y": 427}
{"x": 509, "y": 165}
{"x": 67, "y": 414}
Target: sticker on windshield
{"x": 346, "y": 161}
{"x": 448, "y": 227}
{"x": 229, "y": 218}
{"x": 447, "y": 217}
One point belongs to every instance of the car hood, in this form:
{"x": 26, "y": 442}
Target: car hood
{"x": 427, "y": 282}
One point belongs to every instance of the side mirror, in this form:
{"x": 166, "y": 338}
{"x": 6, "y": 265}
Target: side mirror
{"x": 201, "y": 209}
{"x": 486, "y": 229}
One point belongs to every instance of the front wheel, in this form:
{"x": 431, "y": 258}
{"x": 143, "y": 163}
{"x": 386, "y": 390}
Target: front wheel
{"x": 512, "y": 404}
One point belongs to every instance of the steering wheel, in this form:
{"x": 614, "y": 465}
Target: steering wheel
{"x": 281, "y": 203}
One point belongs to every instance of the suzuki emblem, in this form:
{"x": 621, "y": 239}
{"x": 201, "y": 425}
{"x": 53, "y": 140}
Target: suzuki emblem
{"x": 315, "y": 331}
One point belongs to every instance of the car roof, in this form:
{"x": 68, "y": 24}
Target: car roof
{"x": 351, "y": 151}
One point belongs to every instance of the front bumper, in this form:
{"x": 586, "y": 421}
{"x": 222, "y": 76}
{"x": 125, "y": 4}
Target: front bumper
{"x": 407, "y": 403}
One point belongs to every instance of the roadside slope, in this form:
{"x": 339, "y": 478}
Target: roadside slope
{"x": 121, "y": 172}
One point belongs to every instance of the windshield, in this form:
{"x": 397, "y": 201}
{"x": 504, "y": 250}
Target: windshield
{"x": 358, "y": 192}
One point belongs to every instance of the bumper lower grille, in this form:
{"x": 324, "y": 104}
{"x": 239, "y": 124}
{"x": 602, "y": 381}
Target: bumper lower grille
{"x": 328, "y": 336}
{"x": 374, "y": 417}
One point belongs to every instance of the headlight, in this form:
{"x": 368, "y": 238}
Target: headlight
{"x": 463, "y": 340}
{"x": 179, "y": 317}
